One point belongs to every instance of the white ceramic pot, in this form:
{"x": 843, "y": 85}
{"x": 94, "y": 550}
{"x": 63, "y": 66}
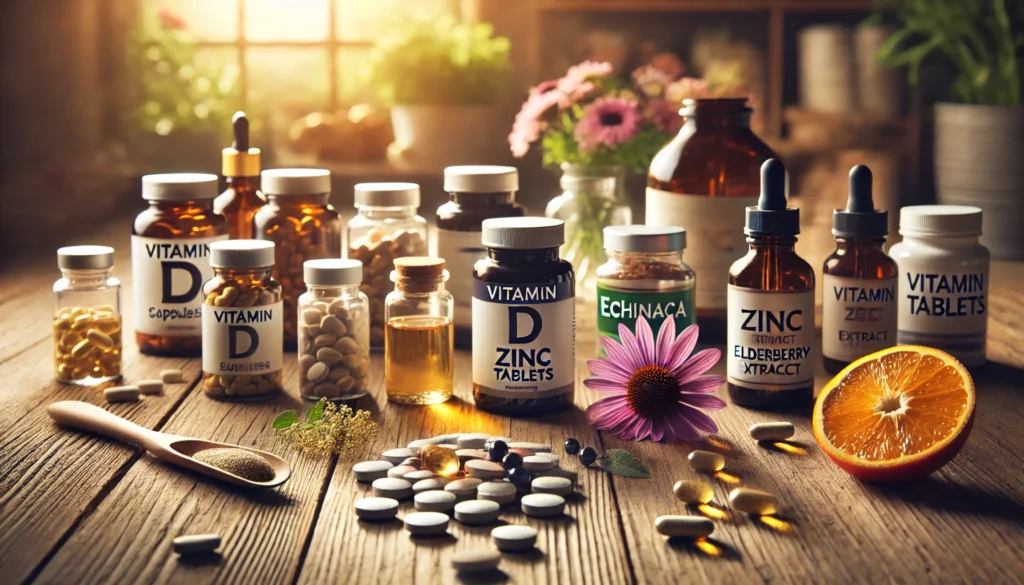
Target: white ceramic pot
{"x": 428, "y": 136}
{"x": 978, "y": 162}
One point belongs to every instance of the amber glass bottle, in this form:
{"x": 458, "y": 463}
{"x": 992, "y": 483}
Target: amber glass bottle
{"x": 171, "y": 261}
{"x": 770, "y": 322}
{"x": 703, "y": 180}
{"x": 241, "y": 168}
{"x": 303, "y": 225}
{"x": 859, "y": 305}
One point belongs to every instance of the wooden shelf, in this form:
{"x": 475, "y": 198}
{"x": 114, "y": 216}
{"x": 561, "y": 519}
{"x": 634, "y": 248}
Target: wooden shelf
{"x": 705, "y": 5}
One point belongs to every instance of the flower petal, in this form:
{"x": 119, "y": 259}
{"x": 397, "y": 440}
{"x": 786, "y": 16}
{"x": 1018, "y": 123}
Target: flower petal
{"x": 666, "y": 338}
{"x": 698, "y": 419}
{"x": 701, "y": 362}
{"x": 657, "y": 429}
{"x": 645, "y": 340}
{"x": 618, "y": 354}
{"x": 705, "y": 401}
{"x": 677, "y": 428}
{"x": 629, "y": 343}
{"x": 606, "y": 406}
{"x": 703, "y": 384}
{"x": 609, "y": 370}
{"x": 682, "y": 347}
{"x": 604, "y": 385}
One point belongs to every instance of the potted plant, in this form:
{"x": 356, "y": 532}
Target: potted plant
{"x": 441, "y": 79}
{"x": 979, "y": 136}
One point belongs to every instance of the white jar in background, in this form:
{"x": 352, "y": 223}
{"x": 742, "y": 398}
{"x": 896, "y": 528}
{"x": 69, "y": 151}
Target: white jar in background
{"x": 943, "y": 280}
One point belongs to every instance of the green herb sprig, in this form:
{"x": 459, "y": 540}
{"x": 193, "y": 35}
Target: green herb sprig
{"x": 326, "y": 429}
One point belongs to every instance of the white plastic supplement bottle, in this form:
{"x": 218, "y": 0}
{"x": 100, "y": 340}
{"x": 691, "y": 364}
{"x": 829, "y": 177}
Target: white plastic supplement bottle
{"x": 943, "y": 280}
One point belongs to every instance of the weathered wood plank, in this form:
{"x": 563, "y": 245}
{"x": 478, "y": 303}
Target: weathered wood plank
{"x": 584, "y": 547}
{"x": 264, "y": 532}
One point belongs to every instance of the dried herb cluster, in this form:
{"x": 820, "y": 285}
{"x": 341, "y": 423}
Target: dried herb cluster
{"x": 326, "y": 429}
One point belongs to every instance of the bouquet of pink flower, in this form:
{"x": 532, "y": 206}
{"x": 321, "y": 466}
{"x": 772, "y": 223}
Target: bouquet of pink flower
{"x": 593, "y": 118}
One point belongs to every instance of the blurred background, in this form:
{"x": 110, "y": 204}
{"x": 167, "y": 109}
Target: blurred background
{"x": 96, "y": 93}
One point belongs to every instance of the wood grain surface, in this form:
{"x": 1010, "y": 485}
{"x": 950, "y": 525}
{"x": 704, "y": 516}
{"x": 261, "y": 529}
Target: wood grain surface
{"x": 77, "y": 508}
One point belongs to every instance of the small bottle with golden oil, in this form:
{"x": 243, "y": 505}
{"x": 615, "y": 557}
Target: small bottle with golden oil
{"x": 419, "y": 355}
{"x": 87, "y": 320}
{"x": 240, "y": 165}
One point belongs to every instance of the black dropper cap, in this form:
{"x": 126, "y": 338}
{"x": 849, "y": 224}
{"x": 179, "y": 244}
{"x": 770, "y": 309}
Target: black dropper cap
{"x": 772, "y": 216}
{"x": 860, "y": 219}
{"x": 240, "y": 129}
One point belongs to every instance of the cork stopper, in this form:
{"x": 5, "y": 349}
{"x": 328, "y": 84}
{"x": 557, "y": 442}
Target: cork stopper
{"x": 418, "y": 273}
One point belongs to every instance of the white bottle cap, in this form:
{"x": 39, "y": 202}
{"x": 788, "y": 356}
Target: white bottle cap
{"x": 242, "y": 254}
{"x": 179, "y": 187}
{"x": 481, "y": 179}
{"x": 940, "y": 220}
{"x": 388, "y": 194}
{"x": 332, "y": 272}
{"x": 295, "y": 181}
{"x": 524, "y": 233}
{"x": 85, "y": 257}
{"x": 644, "y": 238}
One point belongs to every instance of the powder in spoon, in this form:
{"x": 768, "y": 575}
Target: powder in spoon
{"x": 240, "y": 462}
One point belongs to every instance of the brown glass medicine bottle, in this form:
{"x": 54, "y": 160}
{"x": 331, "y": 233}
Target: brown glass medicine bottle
{"x": 524, "y": 319}
{"x": 240, "y": 166}
{"x": 703, "y": 180}
{"x": 770, "y": 319}
{"x": 476, "y": 193}
{"x": 859, "y": 304}
{"x": 171, "y": 261}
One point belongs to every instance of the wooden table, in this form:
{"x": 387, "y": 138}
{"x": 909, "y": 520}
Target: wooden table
{"x": 76, "y": 508}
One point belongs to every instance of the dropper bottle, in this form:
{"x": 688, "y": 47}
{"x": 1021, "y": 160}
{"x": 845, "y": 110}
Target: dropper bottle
{"x": 241, "y": 167}
{"x": 859, "y": 304}
{"x": 770, "y": 312}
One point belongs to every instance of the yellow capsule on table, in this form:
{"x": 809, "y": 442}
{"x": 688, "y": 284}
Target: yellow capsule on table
{"x": 751, "y": 501}
{"x": 440, "y": 460}
{"x": 707, "y": 461}
{"x": 693, "y": 492}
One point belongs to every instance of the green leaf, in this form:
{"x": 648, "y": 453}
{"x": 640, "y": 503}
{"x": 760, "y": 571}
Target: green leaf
{"x": 316, "y": 412}
{"x": 624, "y": 464}
{"x": 285, "y": 420}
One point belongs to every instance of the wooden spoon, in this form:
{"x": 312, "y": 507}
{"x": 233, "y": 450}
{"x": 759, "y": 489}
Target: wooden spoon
{"x": 172, "y": 448}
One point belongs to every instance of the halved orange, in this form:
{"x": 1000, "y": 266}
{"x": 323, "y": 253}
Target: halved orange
{"x": 897, "y": 414}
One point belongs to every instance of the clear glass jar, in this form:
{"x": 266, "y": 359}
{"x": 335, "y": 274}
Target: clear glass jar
{"x": 87, "y": 320}
{"x": 645, "y": 276}
{"x": 386, "y": 227}
{"x": 419, "y": 355}
{"x": 334, "y": 331}
{"x": 243, "y": 323}
{"x": 171, "y": 261}
{"x": 591, "y": 200}
{"x": 303, "y": 225}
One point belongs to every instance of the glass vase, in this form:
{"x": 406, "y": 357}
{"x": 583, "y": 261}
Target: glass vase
{"x": 592, "y": 198}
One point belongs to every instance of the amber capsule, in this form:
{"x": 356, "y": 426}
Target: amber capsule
{"x": 440, "y": 460}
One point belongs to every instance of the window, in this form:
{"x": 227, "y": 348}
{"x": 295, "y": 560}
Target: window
{"x": 296, "y": 56}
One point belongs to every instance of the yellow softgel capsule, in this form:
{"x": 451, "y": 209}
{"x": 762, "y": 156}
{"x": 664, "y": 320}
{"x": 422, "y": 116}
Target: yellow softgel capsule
{"x": 440, "y": 460}
{"x": 693, "y": 492}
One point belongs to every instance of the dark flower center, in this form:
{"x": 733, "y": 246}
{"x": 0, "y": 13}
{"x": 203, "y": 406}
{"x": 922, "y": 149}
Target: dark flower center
{"x": 611, "y": 119}
{"x": 652, "y": 391}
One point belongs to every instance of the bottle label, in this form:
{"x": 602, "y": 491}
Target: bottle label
{"x": 524, "y": 339}
{"x": 714, "y": 236}
{"x": 243, "y": 340}
{"x": 858, "y": 316}
{"x": 460, "y": 251}
{"x": 770, "y": 339}
{"x": 167, "y": 279}
{"x": 616, "y": 306}
{"x": 947, "y": 310}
